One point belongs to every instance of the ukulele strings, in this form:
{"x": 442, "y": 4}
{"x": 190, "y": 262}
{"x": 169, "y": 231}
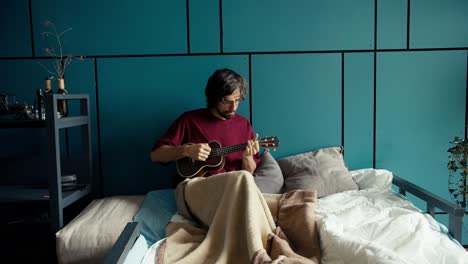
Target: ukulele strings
{"x": 226, "y": 150}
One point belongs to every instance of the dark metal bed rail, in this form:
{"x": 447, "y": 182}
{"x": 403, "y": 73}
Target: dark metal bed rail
{"x": 454, "y": 211}
{"x": 123, "y": 244}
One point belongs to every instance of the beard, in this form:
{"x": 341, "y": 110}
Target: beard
{"x": 226, "y": 114}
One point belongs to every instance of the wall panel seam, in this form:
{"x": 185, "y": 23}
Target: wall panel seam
{"x": 241, "y": 53}
{"x": 31, "y": 29}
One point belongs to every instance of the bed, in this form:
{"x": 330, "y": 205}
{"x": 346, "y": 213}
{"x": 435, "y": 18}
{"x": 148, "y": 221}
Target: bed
{"x": 368, "y": 223}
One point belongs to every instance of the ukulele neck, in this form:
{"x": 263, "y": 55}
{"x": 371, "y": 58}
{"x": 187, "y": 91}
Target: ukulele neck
{"x": 227, "y": 150}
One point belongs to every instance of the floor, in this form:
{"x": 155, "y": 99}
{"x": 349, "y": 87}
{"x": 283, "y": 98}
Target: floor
{"x": 25, "y": 234}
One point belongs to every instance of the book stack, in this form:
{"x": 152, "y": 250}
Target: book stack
{"x": 69, "y": 182}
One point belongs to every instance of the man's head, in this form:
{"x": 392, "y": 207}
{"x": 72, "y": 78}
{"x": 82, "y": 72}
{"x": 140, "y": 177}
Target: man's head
{"x": 224, "y": 91}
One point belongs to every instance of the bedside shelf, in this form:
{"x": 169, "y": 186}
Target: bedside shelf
{"x": 52, "y": 193}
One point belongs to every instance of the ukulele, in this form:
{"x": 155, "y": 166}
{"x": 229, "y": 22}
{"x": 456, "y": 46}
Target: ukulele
{"x": 189, "y": 168}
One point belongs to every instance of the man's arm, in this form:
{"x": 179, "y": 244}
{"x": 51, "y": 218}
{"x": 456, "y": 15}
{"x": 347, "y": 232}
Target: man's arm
{"x": 166, "y": 153}
{"x": 252, "y": 148}
{"x": 248, "y": 164}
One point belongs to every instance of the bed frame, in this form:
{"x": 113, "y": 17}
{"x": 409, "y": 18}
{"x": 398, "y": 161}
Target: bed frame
{"x": 132, "y": 230}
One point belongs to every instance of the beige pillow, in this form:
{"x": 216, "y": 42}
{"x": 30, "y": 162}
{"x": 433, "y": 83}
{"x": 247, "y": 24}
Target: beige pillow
{"x": 322, "y": 170}
{"x": 89, "y": 237}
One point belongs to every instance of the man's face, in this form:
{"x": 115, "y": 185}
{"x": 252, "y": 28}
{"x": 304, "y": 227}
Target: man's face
{"x": 228, "y": 105}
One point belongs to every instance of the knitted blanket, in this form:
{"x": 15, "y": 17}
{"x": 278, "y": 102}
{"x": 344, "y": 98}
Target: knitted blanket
{"x": 236, "y": 223}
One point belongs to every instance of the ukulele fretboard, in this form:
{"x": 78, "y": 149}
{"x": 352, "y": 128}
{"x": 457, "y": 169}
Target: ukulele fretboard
{"x": 227, "y": 150}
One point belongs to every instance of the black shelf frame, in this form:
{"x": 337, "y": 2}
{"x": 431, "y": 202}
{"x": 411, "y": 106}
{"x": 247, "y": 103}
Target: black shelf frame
{"x": 58, "y": 200}
{"x": 53, "y": 193}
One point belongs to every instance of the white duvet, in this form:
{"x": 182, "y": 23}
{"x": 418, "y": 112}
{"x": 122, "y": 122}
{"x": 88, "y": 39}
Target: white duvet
{"x": 376, "y": 225}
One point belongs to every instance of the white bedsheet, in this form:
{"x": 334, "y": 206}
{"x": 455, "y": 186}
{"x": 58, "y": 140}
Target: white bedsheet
{"x": 376, "y": 225}
{"x": 151, "y": 254}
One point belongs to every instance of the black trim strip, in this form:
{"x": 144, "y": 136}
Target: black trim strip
{"x": 31, "y": 29}
{"x": 375, "y": 25}
{"x": 466, "y": 114}
{"x": 408, "y": 25}
{"x": 188, "y": 25}
{"x": 221, "y": 45}
{"x": 375, "y": 83}
{"x": 98, "y": 121}
{"x": 466, "y": 97}
{"x": 342, "y": 102}
{"x": 375, "y": 109}
{"x": 243, "y": 53}
{"x": 250, "y": 89}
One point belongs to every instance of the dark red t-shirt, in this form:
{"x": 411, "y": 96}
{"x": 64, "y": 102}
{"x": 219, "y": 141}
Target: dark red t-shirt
{"x": 201, "y": 126}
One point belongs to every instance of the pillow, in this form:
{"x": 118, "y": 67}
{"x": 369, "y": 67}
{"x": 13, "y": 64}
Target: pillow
{"x": 322, "y": 170}
{"x": 372, "y": 179}
{"x": 155, "y": 212}
{"x": 268, "y": 175}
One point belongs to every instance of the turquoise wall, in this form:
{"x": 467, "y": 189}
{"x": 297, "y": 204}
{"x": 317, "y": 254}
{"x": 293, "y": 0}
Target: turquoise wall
{"x": 385, "y": 78}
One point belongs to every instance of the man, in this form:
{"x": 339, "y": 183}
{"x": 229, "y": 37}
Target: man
{"x": 189, "y": 135}
{"x": 231, "y": 221}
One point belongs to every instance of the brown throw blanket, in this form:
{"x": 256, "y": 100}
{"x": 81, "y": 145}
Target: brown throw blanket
{"x": 239, "y": 224}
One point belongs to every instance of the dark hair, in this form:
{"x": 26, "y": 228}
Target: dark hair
{"x": 224, "y": 82}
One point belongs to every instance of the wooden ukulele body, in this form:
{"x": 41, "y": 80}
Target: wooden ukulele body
{"x": 189, "y": 168}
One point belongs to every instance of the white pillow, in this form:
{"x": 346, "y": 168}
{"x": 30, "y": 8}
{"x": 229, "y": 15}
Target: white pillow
{"x": 372, "y": 179}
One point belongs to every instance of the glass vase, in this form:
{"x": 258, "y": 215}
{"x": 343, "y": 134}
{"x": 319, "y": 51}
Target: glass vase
{"x": 62, "y": 105}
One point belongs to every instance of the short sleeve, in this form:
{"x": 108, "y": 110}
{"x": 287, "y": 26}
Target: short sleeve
{"x": 174, "y": 136}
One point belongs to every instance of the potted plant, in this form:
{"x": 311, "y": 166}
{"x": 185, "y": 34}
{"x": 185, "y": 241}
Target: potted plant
{"x": 458, "y": 171}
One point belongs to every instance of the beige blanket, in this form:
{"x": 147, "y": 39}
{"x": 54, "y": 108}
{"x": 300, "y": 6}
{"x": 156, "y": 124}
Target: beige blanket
{"x": 239, "y": 224}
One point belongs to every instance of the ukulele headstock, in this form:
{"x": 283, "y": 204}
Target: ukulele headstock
{"x": 269, "y": 142}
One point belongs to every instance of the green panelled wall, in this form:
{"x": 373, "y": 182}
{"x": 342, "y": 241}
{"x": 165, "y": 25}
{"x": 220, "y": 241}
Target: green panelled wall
{"x": 310, "y": 65}
{"x": 438, "y": 23}
{"x": 114, "y": 27}
{"x": 297, "y": 98}
{"x": 14, "y": 26}
{"x": 277, "y": 25}
{"x": 420, "y": 101}
{"x": 358, "y": 109}
{"x": 391, "y": 24}
{"x": 204, "y": 26}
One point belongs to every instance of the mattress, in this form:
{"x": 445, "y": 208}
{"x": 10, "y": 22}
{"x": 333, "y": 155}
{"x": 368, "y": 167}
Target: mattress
{"x": 89, "y": 237}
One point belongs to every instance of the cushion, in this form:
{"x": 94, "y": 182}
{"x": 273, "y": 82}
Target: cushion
{"x": 323, "y": 170}
{"x": 155, "y": 212}
{"x": 268, "y": 175}
{"x": 89, "y": 237}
